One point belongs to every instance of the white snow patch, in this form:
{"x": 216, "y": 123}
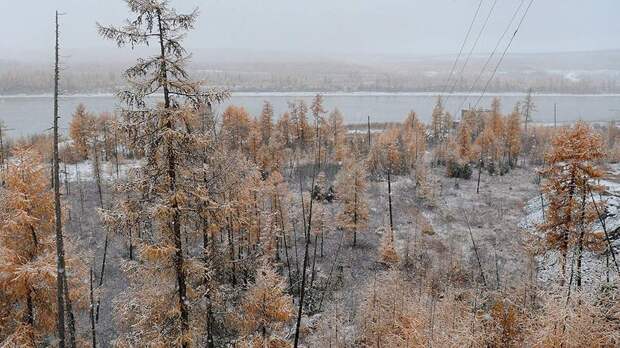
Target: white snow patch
{"x": 84, "y": 171}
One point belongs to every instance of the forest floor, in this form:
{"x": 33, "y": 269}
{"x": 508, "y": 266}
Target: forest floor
{"x": 493, "y": 216}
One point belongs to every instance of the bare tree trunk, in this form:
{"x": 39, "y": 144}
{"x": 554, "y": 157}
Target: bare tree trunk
{"x": 60, "y": 251}
{"x": 288, "y": 262}
{"x": 479, "y": 172}
{"x": 97, "y": 168}
{"x": 316, "y": 237}
{"x": 355, "y": 212}
{"x": 581, "y": 236}
{"x": 390, "y": 199}
{"x": 368, "y": 133}
{"x": 70, "y": 316}
{"x": 305, "y": 264}
{"x": 610, "y": 248}
{"x": 329, "y": 276}
{"x": 116, "y": 151}
{"x": 93, "y": 332}
{"x": 473, "y": 242}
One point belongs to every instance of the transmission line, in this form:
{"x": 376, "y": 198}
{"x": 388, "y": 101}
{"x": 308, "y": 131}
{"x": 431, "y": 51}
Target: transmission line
{"x": 504, "y": 54}
{"x": 486, "y": 64}
{"x": 473, "y": 47}
{"x": 471, "y": 25}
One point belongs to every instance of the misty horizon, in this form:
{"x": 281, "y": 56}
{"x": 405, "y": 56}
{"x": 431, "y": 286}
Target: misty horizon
{"x": 364, "y": 30}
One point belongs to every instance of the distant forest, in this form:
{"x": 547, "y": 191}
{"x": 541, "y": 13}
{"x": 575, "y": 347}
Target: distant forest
{"x": 581, "y": 73}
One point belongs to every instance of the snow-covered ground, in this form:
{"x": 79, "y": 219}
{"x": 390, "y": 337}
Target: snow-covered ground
{"x": 84, "y": 171}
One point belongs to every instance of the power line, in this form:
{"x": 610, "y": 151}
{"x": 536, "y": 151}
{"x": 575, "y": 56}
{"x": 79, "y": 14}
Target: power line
{"x": 473, "y": 47}
{"x": 471, "y": 25}
{"x": 486, "y": 64}
{"x": 504, "y": 54}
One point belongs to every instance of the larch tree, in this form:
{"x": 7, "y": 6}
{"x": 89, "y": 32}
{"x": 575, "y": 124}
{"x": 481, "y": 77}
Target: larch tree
{"x": 437, "y": 121}
{"x": 463, "y": 141}
{"x": 156, "y": 305}
{"x": 285, "y": 128}
{"x": 336, "y": 134}
{"x": 527, "y": 108}
{"x": 387, "y": 317}
{"x": 266, "y": 122}
{"x": 82, "y": 129}
{"x": 300, "y": 130}
{"x": 317, "y": 113}
{"x": 414, "y": 137}
{"x": 236, "y": 127}
{"x": 387, "y": 155}
{"x": 351, "y": 185}
{"x": 387, "y": 249}
{"x": 264, "y": 310}
{"x": 513, "y": 137}
{"x": 27, "y": 255}
{"x": 570, "y": 176}
{"x": 495, "y": 129}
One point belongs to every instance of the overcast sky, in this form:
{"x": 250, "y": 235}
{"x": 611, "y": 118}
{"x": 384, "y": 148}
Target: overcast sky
{"x": 322, "y": 27}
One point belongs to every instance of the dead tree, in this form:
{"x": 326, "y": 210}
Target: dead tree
{"x": 60, "y": 251}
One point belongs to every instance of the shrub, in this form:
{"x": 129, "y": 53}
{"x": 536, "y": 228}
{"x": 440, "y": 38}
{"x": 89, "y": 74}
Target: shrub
{"x": 459, "y": 170}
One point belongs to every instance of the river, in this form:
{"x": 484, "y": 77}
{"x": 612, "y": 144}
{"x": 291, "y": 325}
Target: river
{"x": 29, "y": 114}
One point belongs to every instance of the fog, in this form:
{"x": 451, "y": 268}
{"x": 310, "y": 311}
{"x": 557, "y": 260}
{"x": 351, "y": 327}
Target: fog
{"x": 269, "y": 29}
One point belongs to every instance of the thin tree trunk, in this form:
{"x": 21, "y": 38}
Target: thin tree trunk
{"x": 331, "y": 270}
{"x": 60, "y": 252}
{"x": 101, "y": 275}
{"x": 70, "y": 316}
{"x": 355, "y": 212}
{"x": 97, "y": 173}
{"x": 602, "y": 221}
{"x": 176, "y": 218}
{"x": 479, "y": 172}
{"x": 473, "y": 242}
{"x": 93, "y": 332}
{"x": 305, "y": 264}
{"x": 116, "y": 151}
{"x": 390, "y": 199}
{"x": 316, "y": 237}
{"x": 288, "y": 262}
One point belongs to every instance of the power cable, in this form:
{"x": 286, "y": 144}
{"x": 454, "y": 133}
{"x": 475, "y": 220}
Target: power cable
{"x": 473, "y": 47}
{"x": 503, "y": 54}
{"x": 471, "y": 25}
{"x": 486, "y": 64}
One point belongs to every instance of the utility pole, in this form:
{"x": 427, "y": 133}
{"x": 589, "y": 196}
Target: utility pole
{"x": 555, "y": 115}
{"x": 60, "y": 253}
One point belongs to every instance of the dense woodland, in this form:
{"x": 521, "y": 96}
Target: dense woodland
{"x": 169, "y": 225}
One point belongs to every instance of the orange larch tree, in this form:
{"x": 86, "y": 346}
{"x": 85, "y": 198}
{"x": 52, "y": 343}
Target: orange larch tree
{"x": 27, "y": 255}
{"x": 570, "y": 175}
{"x": 351, "y": 184}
